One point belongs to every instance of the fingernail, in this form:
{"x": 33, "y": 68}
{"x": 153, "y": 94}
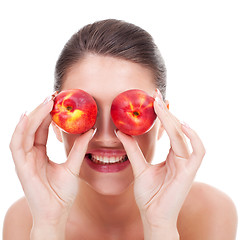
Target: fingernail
{"x": 115, "y": 131}
{"x": 95, "y": 129}
{"x": 22, "y": 116}
{"x": 159, "y": 93}
{"x": 48, "y": 99}
{"x": 54, "y": 94}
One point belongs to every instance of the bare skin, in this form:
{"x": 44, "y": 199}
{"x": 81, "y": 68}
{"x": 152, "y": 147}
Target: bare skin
{"x": 105, "y": 205}
{"x": 193, "y": 221}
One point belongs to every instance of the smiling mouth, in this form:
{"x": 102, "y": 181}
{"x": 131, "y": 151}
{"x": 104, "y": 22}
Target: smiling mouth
{"x": 106, "y": 160}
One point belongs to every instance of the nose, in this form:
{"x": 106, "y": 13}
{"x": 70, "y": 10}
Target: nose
{"x": 105, "y": 135}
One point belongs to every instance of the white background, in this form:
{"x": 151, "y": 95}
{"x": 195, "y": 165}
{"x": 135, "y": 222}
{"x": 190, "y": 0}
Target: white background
{"x": 199, "y": 41}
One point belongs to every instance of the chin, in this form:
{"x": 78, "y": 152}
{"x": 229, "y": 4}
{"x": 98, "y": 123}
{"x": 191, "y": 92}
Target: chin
{"x": 108, "y": 183}
{"x": 112, "y": 188}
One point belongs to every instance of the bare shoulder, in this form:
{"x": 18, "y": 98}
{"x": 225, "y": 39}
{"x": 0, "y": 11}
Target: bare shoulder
{"x": 18, "y": 221}
{"x": 207, "y": 214}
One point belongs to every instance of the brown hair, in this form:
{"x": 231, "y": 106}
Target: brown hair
{"x": 114, "y": 38}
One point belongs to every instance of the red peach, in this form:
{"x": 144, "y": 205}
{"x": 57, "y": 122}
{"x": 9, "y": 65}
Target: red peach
{"x": 132, "y": 112}
{"x": 74, "y": 111}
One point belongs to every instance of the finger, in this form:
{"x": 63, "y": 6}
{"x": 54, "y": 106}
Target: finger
{"x": 16, "y": 144}
{"x": 41, "y": 135}
{"x": 170, "y": 167}
{"x": 197, "y": 147}
{"x": 158, "y": 94}
{"x": 173, "y": 128}
{"x": 134, "y": 153}
{"x": 35, "y": 120}
{"x": 78, "y": 151}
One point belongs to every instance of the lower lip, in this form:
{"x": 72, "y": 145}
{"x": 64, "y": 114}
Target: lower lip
{"x": 107, "y": 168}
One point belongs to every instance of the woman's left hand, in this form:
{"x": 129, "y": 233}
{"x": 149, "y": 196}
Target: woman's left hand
{"x": 160, "y": 190}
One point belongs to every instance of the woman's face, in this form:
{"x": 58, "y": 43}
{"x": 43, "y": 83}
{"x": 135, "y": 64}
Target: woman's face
{"x": 104, "y": 78}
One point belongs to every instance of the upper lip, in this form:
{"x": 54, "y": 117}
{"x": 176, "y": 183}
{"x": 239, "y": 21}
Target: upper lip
{"x": 107, "y": 152}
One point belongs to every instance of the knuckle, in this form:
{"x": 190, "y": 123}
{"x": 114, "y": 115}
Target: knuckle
{"x": 203, "y": 151}
{"x": 17, "y": 171}
{"x": 11, "y": 146}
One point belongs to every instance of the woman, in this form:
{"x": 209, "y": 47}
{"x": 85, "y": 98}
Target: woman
{"x": 142, "y": 201}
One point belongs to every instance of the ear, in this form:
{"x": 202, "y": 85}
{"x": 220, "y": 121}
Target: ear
{"x": 57, "y": 131}
{"x": 161, "y": 128}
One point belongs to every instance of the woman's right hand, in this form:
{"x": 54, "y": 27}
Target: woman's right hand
{"x": 50, "y": 188}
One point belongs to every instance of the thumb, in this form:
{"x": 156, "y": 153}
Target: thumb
{"x": 78, "y": 151}
{"x": 134, "y": 153}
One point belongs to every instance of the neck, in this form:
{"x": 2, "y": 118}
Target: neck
{"x": 108, "y": 210}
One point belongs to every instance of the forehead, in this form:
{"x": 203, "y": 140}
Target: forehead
{"x": 105, "y": 77}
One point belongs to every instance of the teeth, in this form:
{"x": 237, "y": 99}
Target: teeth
{"x": 107, "y": 160}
